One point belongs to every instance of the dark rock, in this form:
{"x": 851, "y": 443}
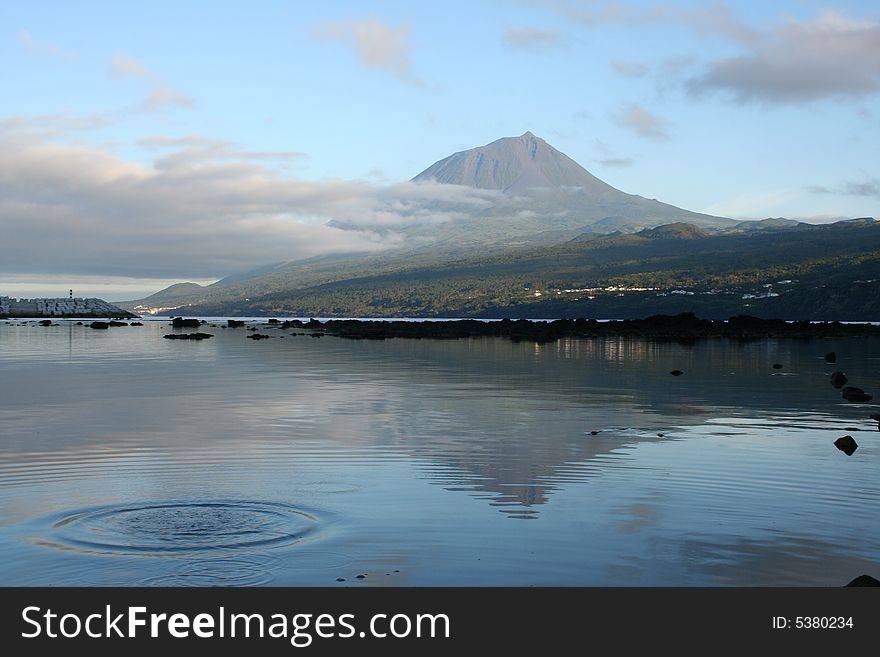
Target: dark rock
{"x": 846, "y": 444}
{"x": 851, "y": 429}
{"x": 46, "y": 322}
{"x": 257, "y": 336}
{"x": 180, "y": 322}
{"x": 99, "y": 325}
{"x": 115, "y": 323}
{"x": 360, "y": 576}
{"x": 864, "y": 580}
{"x": 853, "y": 394}
{"x": 317, "y": 335}
{"x": 595, "y": 433}
{"x": 340, "y": 579}
{"x": 676, "y": 372}
{"x": 777, "y": 366}
{"x": 137, "y": 324}
{"x": 234, "y": 323}
{"x": 831, "y": 357}
{"x": 274, "y": 321}
{"x": 78, "y": 323}
{"x": 838, "y": 379}
{"x": 187, "y": 336}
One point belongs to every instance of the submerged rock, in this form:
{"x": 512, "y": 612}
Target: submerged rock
{"x": 257, "y": 336}
{"x": 838, "y": 379}
{"x": 46, "y": 322}
{"x": 853, "y": 394}
{"x": 676, "y": 372}
{"x": 234, "y": 323}
{"x": 846, "y": 444}
{"x": 99, "y": 325}
{"x": 864, "y": 580}
{"x": 115, "y": 323}
{"x": 777, "y": 366}
{"x": 137, "y": 324}
{"x": 187, "y": 336}
{"x": 831, "y": 357}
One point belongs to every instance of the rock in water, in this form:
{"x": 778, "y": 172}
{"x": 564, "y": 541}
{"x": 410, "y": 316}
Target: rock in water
{"x": 846, "y": 444}
{"x": 179, "y": 322}
{"x": 838, "y": 379}
{"x": 257, "y": 336}
{"x": 864, "y": 580}
{"x": 853, "y": 394}
{"x": 777, "y": 366}
{"x": 46, "y": 322}
{"x": 831, "y": 357}
{"x": 99, "y": 325}
{"x": 187, "y": 336}
{"x": 234, "y": 323}
{"x": 676, "y": 372}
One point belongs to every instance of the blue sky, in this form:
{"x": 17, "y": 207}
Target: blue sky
{"x": 194, "y": 139}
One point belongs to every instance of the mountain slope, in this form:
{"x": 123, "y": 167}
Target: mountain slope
{"x": 826, "y": 272}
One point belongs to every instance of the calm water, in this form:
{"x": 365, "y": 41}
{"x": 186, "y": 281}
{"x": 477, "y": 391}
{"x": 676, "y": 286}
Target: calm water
{"x": 126, "y": 459}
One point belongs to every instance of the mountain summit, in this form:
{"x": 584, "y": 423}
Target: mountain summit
{"x": 543, "y": 191}
{"x": 513, "y": 164}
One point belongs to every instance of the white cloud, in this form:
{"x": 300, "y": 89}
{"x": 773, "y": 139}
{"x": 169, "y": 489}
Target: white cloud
{"x": 81, "y": 210}
{"x": 376, "y": 45}
{"x": 644, "y": 122}
{"x": 159, "y": 94}
{"x": 531, "y": 38}
{"x": 122, "y": 65}
{"x": 27, "y": 41}
{"x": 714, "y": 18}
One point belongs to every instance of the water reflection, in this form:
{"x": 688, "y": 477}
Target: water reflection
{"x": 425, "y": 457}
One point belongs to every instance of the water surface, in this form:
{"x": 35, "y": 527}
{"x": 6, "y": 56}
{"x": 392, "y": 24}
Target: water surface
{"x": 126, "y": 459}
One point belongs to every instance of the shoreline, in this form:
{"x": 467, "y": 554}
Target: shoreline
{"x": 684, "y": 327}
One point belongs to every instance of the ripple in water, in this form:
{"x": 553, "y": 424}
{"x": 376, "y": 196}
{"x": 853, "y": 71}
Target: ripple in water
{"x": 172, "y": 527}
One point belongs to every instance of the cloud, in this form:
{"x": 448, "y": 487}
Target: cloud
{"x": 831, "y": 56}
{"x": 645, "y": 123}
{"x": 159, "y": 95}
{"x": 630, "y": 69}
{"x": 376, "y": 45}
{"x": 193, "y": 150}
{"x": 75, "y": 209}
{"x": 122, "y": 65}
{"x": 27, "y": 40}
{"x": 616, "y": 162}
{"x": 869, "y": 188}
{"x": 531, "y": 38}
{"x": 52, "y": 125}
{"x": 715, "y": 18}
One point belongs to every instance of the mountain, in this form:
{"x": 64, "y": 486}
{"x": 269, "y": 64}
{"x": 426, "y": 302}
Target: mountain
{"x": 543, "y": 190}
{"x": 551, "y": 224}
{"x": 514, "y": 164}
